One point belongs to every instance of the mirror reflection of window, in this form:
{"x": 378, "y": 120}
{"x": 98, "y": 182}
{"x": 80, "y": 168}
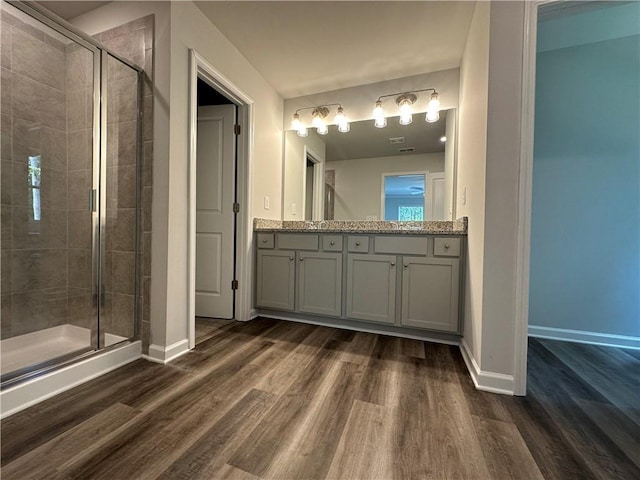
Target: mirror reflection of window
{"x": 404, "y": 197}
{"x": 34, "y": 179}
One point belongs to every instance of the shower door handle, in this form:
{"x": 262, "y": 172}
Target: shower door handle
{"x": 93, "y": 200}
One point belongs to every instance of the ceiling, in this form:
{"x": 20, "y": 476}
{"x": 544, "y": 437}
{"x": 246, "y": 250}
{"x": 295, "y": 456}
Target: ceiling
{"x": 366, "y": 141}
{"x": 304, "y": 47}
{"x": 69, "y": 10}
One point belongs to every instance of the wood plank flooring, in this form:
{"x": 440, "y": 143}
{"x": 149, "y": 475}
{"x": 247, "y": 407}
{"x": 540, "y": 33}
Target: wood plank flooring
{"x": 277, "y": 400}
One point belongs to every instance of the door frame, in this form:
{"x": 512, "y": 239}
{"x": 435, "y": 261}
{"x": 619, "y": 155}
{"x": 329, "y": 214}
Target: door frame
{"x": 525, "y": 197}
{"x": 317, "y": 207}
{"x": 201, "y": 68}
{"x": 428, "y": 187}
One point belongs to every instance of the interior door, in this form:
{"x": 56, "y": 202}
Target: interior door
{"x": 215, "y": 194}
{"x": 435, "y": 196}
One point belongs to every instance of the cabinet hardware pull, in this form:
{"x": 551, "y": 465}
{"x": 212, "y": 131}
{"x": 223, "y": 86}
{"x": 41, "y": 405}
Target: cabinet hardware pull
{"x": 301, "y": 259}
{"x": 393, "y": 264}
{"x": 357, "y": 244}
{"x": 446, "y": 246}
{"x": 406, "y": 265}
{"x": 332, "y": 243}
{"x": 290, "y": 258}
{"x": 264, "y": 240}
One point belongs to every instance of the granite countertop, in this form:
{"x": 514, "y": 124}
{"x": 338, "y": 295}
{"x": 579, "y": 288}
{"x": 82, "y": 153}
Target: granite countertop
{"x": 455, "y": 227}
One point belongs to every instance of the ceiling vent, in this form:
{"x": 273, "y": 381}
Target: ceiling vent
{"x": 395, "y": 140}
{"x": 407, "y": 150}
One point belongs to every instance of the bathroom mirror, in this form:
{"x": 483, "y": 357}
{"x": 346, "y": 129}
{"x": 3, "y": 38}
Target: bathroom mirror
{"x": 397, "y": 173}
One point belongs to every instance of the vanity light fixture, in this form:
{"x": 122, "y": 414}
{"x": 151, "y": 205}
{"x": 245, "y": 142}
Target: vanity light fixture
{"x": 405, "y": 100}
{"x": 318, "y": 120}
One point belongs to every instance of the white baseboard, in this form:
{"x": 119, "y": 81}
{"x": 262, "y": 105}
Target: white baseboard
{"x": 486, "y": 381}
{"x": 163, "y": 355}
{"x": 580, "y": 336}
{"x": 38, "y": 389}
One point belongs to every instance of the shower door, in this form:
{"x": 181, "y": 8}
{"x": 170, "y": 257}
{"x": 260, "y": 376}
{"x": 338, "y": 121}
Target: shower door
{"x": 69, "y": 195}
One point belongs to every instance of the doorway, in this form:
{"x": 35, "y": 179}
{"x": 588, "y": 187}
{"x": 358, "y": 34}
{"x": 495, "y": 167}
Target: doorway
{"x": 313, "y": 194}
{"x": 239, "y": 255}
{"x": 215, "y": 200}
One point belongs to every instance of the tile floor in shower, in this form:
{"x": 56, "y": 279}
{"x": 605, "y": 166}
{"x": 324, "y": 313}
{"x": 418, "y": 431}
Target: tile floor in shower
{"x": 38, "y": 347}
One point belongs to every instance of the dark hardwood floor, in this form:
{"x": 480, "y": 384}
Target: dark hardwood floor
{"x": 278, "y": 400}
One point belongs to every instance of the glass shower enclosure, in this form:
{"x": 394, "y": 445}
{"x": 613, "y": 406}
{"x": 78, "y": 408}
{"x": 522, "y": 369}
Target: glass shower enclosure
{"x": 70, "y": 195}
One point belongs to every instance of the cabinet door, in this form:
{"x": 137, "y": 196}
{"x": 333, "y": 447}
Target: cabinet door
{"x": 320, "y": 283}
{"x": 275, "y": 279}
{"x": 371, "y": 288}
{"x": 430, "y": 293}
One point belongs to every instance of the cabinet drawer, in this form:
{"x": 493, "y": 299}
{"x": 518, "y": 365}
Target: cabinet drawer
{"x": 446, "y": 247}
{"x": 332, "y": 243}
{"x": 265, "y": 240}
{"x": 358, "y": 244}
{"x": 401, "y": 246}
{"x": 294, "y": 241}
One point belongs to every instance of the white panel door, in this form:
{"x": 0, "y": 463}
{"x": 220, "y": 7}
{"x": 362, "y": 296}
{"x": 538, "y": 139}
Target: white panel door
{"x": 435, "y": 197}
{"x": 214, "y": 211}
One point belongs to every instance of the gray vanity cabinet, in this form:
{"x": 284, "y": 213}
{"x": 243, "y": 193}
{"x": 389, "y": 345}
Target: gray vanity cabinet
{"x": 371, "y": 287}
{"x": 430, "y": 293}
{"x": 275, "y": 273}
{"x": 320, "y": 283}
{"x": 397, "y": 281}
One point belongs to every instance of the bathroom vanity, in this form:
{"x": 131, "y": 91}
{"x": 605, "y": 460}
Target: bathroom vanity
{"x": 399, "y": 277}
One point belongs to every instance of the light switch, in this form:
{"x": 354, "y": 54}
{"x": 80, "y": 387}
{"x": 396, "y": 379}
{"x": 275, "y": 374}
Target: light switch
{"x": 267, "y": 202}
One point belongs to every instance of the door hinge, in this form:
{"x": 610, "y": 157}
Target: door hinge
{"x": 236, "y": 129}
{"x": 234, "y": 284}
{"x": 236, "y": 208}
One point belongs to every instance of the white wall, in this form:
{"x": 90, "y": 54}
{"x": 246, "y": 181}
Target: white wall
{"x": 502, "y": 186}
{"x": 179, "y": 27}
{"x": 489, "y": 151}
{"x": 190, "y": 29}
{"x": 295, "y": 162}
{"x": 472, "y": 140}
{"x": 359, "y": 182}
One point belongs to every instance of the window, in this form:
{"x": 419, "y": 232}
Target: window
{"x": 34, "y": 178}
{"x": 412, "y": 213}
{"x": 404, "y": 196}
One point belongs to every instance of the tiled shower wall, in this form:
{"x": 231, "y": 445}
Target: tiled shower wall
{"x": 34, "y": 123}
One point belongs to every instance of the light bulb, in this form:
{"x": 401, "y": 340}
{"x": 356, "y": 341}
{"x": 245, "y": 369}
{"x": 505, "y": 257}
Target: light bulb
{"x": 340, "y": 117}
{"x": 432, "y": 116}
{"x": 380, "y": 122}
{"x": 317, "y": 121}
{"x": 443, "y": 139}
{"x": 378, "y": 111}
{"x": 322, "y": 129}
{"x": 378, "y": 115}
{"x": 406, "y": 116}
{"x": 434, "y": 103}
{"x": 296, "y": 124}
{"x": 344, "y": 127}
{"x": 302, "y": 131}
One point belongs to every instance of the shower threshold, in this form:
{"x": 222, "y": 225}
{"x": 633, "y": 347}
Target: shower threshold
{"x": 42, "y": 346}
